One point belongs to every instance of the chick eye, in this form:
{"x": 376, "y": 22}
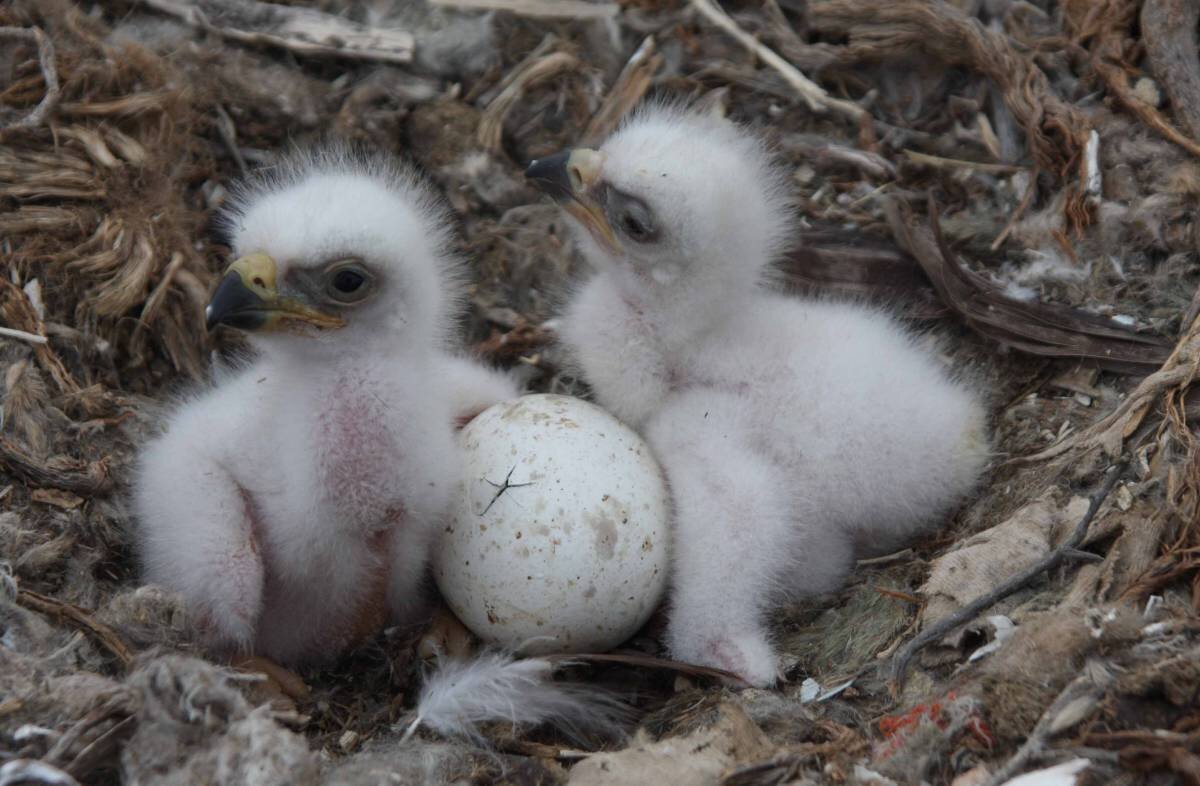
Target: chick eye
{"x": 631, "y": 217}
{"x": 348, "y": 284}
{"x": 348, "y": 281}
{"x": 633, "y": 226}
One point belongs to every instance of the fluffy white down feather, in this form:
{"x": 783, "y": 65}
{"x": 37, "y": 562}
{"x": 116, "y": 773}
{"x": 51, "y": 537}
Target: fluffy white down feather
{"x": 797, "y": 434}
{"x": 293, "y": 503}
{"x": 462, "y": 694}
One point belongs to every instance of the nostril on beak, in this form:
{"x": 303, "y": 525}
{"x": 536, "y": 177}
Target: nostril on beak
{"x": 576, "y": 176}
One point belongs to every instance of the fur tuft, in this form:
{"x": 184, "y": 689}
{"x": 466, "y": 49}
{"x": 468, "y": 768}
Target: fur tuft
{"x": 463, "y": 694}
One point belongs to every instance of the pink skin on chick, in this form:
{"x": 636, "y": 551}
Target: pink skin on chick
{"x": 293, "y": 504}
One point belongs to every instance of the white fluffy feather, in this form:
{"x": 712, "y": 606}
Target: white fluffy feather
{"x": 293, "y": 505}
{"x": 796, "y": 434}
{"x": 463, "y": 694}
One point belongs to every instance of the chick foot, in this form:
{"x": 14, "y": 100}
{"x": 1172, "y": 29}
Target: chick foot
{"x": 748, "y": 655}
{"x": 279, "y": 687}
{"x": 446, "y": 637}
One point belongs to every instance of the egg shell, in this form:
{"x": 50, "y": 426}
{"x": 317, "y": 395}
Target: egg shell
{"x": 559, "y": 539}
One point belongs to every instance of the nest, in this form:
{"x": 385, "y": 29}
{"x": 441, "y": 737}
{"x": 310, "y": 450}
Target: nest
{"x": 1020, "y": 178}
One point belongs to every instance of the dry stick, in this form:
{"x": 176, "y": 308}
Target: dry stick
{"x": 81, "y": 619}
{"x": 1019, "y": 213}
{"x": 304, "y": 31}
{"x": 491, "y": 124}
{"x": 101, "y": 749}
{"x": 812, "y": 93}
{"x": 1169, "y": 35}
{"x": 1079, "y": 697}
{"x": 1108, "y": 25}
{"x": 547, "y": 45}
{"x": 631, "y": 84}
{"x": 973, "y": 609}
{"x": 645, "y": 661}
{"x": 82, "y": 477}
{"x": 34, "y": 771}
{"x": 1110, "y": 432}
{"x": 49, "y": 74}
{"x": 938, "y": 162}
{"x": 538, "y": 9}
{"x": 23, "y": 335}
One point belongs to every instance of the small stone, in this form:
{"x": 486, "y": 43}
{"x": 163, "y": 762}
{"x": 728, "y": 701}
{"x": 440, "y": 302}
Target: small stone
{"x": 1146, "y": 90}
{"x": 1124, "y": 497}
{"x": 349, "y": 740}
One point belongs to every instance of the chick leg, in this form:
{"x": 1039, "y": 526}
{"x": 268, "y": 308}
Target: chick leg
{"x": 198, "y": 539}
{"x": 279, "y": 687}
{"x": 730, "y": 531}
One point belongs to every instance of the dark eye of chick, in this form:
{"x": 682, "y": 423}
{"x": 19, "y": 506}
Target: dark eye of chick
{"x": 631, "y": 225}
{"x": 632, "y": 217}
{"x": 348, "y": 282}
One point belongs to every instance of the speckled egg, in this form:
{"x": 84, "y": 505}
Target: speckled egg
{"x": 559, "y": 538}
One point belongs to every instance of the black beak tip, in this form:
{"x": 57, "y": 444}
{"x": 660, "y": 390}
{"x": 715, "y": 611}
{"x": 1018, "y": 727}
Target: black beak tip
{"x": 551, "y": 176}
{"x": 234, "y": 304}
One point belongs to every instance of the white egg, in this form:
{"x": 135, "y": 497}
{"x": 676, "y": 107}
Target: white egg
{"x": 559, "y": 539}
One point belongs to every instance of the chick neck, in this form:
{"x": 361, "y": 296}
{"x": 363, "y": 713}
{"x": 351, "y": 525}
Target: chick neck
{"x": 677, "y": 315}
{"x": 343, "y": 350}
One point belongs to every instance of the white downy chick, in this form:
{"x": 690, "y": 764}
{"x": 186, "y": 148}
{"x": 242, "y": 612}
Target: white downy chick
{"x": 796, "y": 434}
{"x": 293, "y": 504}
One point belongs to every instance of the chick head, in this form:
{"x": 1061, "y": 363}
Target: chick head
{"x": 674, "y": 199}
{"x": 336, "y": 253}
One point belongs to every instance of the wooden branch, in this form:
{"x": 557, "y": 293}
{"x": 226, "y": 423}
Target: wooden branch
{"x": 812, "y": 93}
{"x": 538, "y": 9}
{"x": 81, "y": 619}
{"x": 1178, "y": 371}
{"x": 645, "y": 662}
{"x": 1169, "y": 35}
{"x": 1107, "y": 25}
{"x": 491, "y": 126}
{"x": 45, "y": 46}
{"x": 942, "y": 627}
{"x": 938, "y": 162}
{"x": 631, "y": 84}
{"x": 300, "y": 30}
{"x": 34, "y": 771}
{"x": 23, "y": 335}
{"x": 81, "y": 477}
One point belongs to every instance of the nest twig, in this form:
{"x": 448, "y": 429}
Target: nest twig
{"x": 36, "y": 116}
{"x": 301, "y": 30}
{"x": 1169, "y": 35}
{"x": 491, "y": 125}
{"x": 632, "y": 83}
{"x": 1044, "y": 329}
{"x": 81, "y": 619}
{"x": 1056, "y": 131}
{"x": 1106, "y": 25}
{"x": 813, "y": 94}
{"x": 1063, "y": 552}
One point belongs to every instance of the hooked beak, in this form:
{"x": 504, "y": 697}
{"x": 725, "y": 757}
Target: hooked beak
{"x": 569, "y": 179}
{"x": 247, "y": 299}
